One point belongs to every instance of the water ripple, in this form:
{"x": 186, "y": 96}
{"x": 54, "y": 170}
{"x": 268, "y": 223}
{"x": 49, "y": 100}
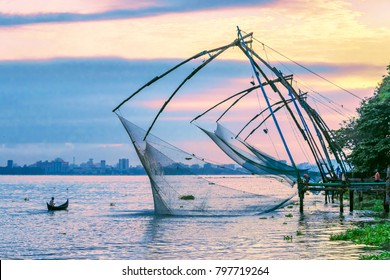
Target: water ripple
{"x": 113, "y": 218}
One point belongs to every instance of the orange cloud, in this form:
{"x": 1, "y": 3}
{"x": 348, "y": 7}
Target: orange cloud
{"x": 305, "y": 30}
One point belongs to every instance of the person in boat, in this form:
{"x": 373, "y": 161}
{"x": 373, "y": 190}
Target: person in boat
{"x": 51, "y": 203}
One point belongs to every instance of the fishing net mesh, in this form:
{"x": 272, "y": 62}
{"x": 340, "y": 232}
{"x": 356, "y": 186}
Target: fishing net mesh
{"x": 207, "y": 189}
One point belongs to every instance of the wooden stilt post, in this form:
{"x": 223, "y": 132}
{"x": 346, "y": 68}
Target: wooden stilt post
{"x": 387, "y": 191}
{"x": 301, "y": 193}
{"x": 351, "y": 197}
{"x": 326, "y": 197}
{"x": 341, "y": 194}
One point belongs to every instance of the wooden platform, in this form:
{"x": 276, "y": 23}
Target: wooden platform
{"x": 349, "y": 187}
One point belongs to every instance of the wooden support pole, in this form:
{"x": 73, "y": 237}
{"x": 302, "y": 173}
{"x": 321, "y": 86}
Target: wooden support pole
{"x": 341, "y": 193}
{"x": 301, "y": 197}
{"x": 326, "y": 196}
{"x": 351, "y": 197}
{"x": 301, "y": 193}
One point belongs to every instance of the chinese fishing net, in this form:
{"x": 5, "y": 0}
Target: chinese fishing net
{"x": 206, "y": 188}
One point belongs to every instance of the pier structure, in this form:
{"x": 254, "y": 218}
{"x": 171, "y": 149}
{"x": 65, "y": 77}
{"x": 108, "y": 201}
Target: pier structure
{"x": 347, "y": 186}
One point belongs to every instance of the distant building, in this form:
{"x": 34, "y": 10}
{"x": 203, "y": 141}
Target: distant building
{"x": 60, "y": 166}
{"x": 103, "y": 164}
{"x": 90, "y": 163}
{"x": 123, "y": 164}
{"x": 57, "y": 166}
{"x": 10, "y": 163}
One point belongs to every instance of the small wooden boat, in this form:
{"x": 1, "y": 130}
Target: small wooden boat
{"x": 59, "y": 207}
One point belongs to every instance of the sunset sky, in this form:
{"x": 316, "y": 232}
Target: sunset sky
{"x": 65, "y": 64}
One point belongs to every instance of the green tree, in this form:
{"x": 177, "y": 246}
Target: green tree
{"x": 368, "y": 135}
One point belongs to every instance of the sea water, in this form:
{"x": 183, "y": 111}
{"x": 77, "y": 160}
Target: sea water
{"x": 112, "y": 217}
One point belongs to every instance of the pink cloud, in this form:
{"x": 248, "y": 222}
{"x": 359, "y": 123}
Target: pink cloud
{"x": 70, "y": 6}
{"x": 110, "y": 145}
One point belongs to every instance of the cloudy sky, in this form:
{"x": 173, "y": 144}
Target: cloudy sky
{"x": 65, "y": 64}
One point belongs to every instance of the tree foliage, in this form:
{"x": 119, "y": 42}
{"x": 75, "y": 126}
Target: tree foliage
{"x": 368, "y": 135}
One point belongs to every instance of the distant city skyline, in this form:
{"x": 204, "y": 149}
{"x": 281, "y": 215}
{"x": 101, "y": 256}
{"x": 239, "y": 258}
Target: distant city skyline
{"x": 59, "y": 166}
{"x": 123, "y": 162}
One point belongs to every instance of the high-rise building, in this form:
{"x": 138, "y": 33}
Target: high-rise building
{"x": 90, "y": 162}
{"x": 10, "y": 163}
{"x": 123, "y": 164}
{"x": 57, "y": 166}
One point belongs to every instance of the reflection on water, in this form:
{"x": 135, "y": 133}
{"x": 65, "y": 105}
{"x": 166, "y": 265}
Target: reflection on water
{"x": 113, "y": 218}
